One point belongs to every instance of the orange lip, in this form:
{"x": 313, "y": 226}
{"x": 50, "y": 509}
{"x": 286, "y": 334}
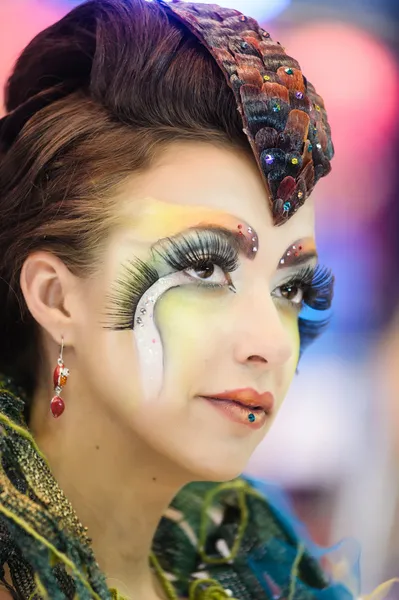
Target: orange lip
{"x": 248, "y": 397}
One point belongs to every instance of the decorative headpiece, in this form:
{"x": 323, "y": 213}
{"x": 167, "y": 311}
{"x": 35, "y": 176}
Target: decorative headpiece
{"x": 284, "y": 119}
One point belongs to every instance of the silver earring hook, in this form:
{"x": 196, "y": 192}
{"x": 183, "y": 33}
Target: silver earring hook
{"x": 61, "y": 360}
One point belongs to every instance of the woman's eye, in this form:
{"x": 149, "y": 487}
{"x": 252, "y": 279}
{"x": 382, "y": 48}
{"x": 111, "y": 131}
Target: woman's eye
{"x": 292, "y": 293}
{"x": 210, "y": 272}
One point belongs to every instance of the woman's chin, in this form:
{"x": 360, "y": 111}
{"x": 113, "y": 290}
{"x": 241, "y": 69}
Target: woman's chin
{"x": 217, "y": 471}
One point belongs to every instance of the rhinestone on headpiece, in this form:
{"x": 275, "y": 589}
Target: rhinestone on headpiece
{"x": 276, "y": 130}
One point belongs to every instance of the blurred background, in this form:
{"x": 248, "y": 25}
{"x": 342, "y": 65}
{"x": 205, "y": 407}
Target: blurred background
{"x": 335, "y": 445}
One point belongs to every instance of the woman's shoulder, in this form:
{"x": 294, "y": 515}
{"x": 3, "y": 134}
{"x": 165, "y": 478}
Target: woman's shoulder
{"x": 244, "y": 535}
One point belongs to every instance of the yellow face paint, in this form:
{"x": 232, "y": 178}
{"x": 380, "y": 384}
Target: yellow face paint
{"x": 155, "y": 219}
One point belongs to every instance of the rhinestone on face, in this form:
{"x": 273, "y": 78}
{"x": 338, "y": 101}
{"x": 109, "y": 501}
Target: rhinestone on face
{"x": 242, "y": 18}
{"x": 251, "y": 417}
{"x": 310, "y": 147}
{"x": 265, "y": 34}
{"x": 294, "y": 161}
{"x": 299, "y": 95}
{"x": 287, "y": 206}
{"x": 317, "y": 107}
{"x": 269, "y": 159}
{"x": 289, "y": 71}
{"x": 300, "y": 195}
{"x": 318, "y": 146}
{"x": 244, "y": 45}
{"x": 266, "y": 77}
{"x": 276, "y": 108}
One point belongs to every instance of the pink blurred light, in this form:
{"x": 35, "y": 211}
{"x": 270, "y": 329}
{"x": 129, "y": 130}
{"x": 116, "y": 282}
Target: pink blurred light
{"x": 358, "y": 78}
{"x": 20, "y": 21}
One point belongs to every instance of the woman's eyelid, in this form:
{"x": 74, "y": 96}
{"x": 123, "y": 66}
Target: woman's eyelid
{"x": 292, "y": 275}
{"x": 196, "y": 245}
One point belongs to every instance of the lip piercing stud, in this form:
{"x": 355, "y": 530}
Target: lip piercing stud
{"x": 251, "y": 417}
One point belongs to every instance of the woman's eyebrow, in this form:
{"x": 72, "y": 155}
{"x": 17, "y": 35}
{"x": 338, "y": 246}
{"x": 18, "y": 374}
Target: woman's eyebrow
{"x": 299, "y": 253}
{"x": 243, "y": 237}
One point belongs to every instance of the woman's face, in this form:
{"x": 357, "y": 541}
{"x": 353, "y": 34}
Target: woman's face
{"x": 193, "y": 301}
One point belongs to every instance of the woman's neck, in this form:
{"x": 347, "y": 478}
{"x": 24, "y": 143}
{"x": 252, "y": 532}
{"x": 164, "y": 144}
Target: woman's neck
{"x": 118, "y": 486}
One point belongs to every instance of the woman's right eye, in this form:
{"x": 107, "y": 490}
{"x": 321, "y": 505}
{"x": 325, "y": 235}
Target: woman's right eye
{"x": 210, "y": 273}
{"x": 206, "y": 272}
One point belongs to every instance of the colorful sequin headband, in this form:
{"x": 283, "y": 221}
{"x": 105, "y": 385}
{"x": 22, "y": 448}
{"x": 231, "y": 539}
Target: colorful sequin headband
{"x": 284, "y": 119}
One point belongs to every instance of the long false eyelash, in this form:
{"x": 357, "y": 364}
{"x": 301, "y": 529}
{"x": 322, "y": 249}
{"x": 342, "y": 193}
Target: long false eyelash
{"x": 310, "y": 330}
{"x": 136, "y": 278}
{"x": 318, "y": 285}
{"x": 197, "y": 250}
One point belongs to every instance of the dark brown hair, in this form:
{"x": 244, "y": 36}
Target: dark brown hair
{"x": 92, "y": 100}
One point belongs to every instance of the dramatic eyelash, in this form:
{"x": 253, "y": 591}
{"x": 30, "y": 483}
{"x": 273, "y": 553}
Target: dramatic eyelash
{"x": 136, "y": 278}
{"x": 318, "y": 285}
{"x": 195, "y": 250}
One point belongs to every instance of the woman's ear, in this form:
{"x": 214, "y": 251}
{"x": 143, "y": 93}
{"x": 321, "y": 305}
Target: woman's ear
{"x": 46, "y": 284}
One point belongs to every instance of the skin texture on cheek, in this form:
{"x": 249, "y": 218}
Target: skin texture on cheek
{"x": 195, "y": 325}
{"x": 183, "y": 316}
{"x": 290, "y": 322}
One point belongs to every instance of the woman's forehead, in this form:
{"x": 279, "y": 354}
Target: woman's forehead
{"x": 153, "y": 220}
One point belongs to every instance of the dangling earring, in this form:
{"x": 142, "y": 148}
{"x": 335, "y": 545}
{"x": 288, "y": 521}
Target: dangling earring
{"x": 60, "y": 377}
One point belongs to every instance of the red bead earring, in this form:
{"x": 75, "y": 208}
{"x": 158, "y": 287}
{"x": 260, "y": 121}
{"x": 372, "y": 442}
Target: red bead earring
{"x": 60, "y": 378}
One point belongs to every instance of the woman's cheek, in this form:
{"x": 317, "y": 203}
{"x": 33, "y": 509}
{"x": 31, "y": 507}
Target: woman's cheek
{"x": 187, "y": 318}
{"x": 178, "y": 318}
{"x": 289, "y": 320}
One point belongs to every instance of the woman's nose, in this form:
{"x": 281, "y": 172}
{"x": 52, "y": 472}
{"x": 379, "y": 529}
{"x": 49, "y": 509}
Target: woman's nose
{"x": 262, "y": 337}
